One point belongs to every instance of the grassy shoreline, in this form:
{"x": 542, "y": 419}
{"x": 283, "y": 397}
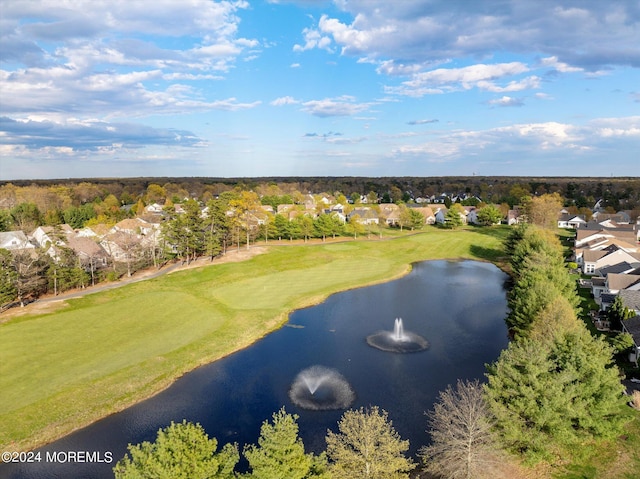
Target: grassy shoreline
{"x": 104, "y": 352}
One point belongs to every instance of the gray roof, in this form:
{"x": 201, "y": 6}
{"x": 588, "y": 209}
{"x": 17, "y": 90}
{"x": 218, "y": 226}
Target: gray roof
{"x": 632, "y": 325}
{"x": 631, "y": 299}
{"x": 615, "y": 268}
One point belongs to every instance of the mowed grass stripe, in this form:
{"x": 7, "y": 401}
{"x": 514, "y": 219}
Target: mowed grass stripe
{"x": 63, "y": 370}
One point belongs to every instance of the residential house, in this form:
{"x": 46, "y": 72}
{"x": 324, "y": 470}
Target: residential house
{"x": 571, "y": 221}
{"x": 632, "y": 326}
{"x": 365, "y": 216}
{"x": 91, "y": 255}
{"x": 46, "y": 236}
{"x": 472, "y": 215}
{"x": 631, "y": 299}
{"x": 154, "y": 208}
{"x": 515, "y": 216}
{"x": 441, "y": 215}
{"x": 625, "y": 232}
{"x": 95, "y": 231}
{"x": 286, "y": 210}
{"x": 391, "y": 213}
{"x": 337, "y": 211}
{"x": 594, "y": 261}
{"x": 602, "y": 243}
{"x": 136, "y": 226}
{"x": 616, "y": 282}
{"x": 14, "y": 240}
{"x": 427, "y": 212}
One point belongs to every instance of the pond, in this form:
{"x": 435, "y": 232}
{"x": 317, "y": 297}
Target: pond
{"x": 458, "y": 307}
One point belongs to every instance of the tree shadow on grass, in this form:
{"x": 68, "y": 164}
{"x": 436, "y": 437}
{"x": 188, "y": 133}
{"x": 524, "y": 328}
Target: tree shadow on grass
{"x": 489, "y": 254}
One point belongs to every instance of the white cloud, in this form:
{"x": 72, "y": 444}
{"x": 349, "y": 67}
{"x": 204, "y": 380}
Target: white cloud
{"x": 285, "y": 100}
{"x": 506, "y": 101}
{"x": 418, "y": 31}
{"x": 552, "y": 62}
{"x": 480, "y": 76}
{"x": 527, "y": 140}
{"x": 340, "y": 106}
{"x": 313, "y": 39}
{"x": 110, "y": 58}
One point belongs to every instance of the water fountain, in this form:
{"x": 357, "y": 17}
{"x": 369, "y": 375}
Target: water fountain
{"x": 320, "y": 388}
{"x": 398, "y": 340}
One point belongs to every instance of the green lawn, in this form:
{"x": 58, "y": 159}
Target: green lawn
{"x": 106, "y": 351}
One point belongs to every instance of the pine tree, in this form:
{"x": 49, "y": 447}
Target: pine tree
{"x": 280, "y": 452}
{"x": 367, "y": 447}
{"x": 180, "y": 451}
{"x": 555, "y": 393}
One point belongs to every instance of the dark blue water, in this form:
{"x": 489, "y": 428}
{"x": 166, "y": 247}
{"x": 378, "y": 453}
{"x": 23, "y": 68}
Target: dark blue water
{"x": 459, "y": 307}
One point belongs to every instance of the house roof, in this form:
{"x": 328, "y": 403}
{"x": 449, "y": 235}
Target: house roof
{"x": 619, "y": 281}
{"x": 86, "y": 246}
{"x": 132, "y": 224}
{"x": 632, "y": 325}
{"x": 363, "y": 213}
{"x": 615, "y": 268}
{"x": 630, "y": 298}
{"x": 608, "y": 298}
{"x": 591, "y": 256}
{"x": 14, "y": 240}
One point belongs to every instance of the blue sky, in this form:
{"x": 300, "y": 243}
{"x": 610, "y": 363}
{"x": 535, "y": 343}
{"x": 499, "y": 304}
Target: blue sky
{"x": 105, "y": 88}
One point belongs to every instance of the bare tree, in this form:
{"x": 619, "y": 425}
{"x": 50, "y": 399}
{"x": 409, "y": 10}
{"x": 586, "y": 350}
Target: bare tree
{"x": 462, "y": 443}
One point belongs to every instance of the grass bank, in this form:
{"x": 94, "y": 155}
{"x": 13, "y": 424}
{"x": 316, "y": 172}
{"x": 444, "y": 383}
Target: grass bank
{"x": 103, "y": 352}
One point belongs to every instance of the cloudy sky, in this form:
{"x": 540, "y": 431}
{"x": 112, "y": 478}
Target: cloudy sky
{"x": 316, "y": 87}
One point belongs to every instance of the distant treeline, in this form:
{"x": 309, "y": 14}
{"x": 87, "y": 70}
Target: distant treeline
{"x": 617, "y": 193}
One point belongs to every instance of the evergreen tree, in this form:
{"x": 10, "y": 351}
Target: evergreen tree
{"x": 618, "y": 312}
{"x": 452, "y": 218}
{"x": 555, "y": 393}
{"x": 8, "y": 277}
{"x": 180, "y": 451}
{"x": 280, "y": 452}
{"x": 367, "y": 447}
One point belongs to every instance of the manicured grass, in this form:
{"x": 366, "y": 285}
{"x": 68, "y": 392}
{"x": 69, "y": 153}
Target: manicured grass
{"x": 63, "y": 370}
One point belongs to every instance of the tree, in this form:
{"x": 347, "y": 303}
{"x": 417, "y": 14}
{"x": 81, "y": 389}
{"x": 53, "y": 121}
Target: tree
{"x": 618, "y": 312}
{"x": 355, "y": 227}
{"x": 305, "y": 223}
{"x": 367, "y": 447}
{"x": 543, "y": 210}
{"x": 180, "y": 451}
{"x": 410, "y": 218}
{"x": 489, "y": 215}
{"x": 280, "y": 452}
{"x": 324, "y": 226}
{"x": 281, "y": 225}
{"x": 541, "y": 280}
{"x": 554, "y": 394}
{"x": 8, "y": 276}
{"x": 460, "y": 424}
{"x": 26, "y": 216}
{"x": 5, "y": 220}
{"x": 452, "y": 218}
{"x": 30, "y": 268}
{"x": 155, "y": 194}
